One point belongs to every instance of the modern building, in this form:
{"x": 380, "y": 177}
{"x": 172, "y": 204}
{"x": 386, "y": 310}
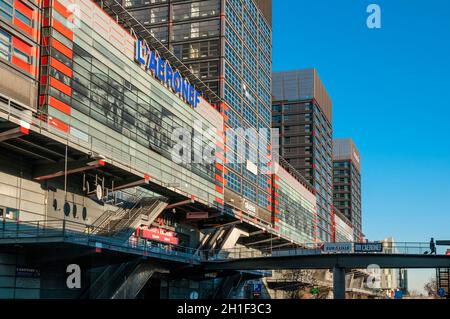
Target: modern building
{"x": 302, "y": 112}
{"x": 228, "y": 45}
{"x": 347, "y": 182}
{"x": 90, "y": 112}
{"x": 343, "y": 229}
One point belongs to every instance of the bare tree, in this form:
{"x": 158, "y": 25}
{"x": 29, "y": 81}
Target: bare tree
{"x": 301, "y": 279}
{"x": 431, "y": 288}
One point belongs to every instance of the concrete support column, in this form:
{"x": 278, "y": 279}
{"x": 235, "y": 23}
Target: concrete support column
{"x": 339, "y": 282}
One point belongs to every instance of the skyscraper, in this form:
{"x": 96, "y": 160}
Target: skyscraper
{"x": 228, "y": 45}
{"x": 347, "y": 182}
{"x": 302, "y": 112}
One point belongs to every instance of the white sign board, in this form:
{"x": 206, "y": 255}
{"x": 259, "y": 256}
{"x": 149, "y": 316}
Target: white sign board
{"x": 337, "y": 248}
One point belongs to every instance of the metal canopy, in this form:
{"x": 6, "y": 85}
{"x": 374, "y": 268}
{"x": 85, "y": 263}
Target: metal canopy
{"x": 127, "y": 21}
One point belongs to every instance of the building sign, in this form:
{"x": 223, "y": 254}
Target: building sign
{"x": 337, "y": 248}
{"x": 368, "y": 247}
{"x": 249, "y": 207}
{"x": 251, "y": 167}
{"x": 27, "y": 272}
{"x": 158, "y": 234}
{"x": 161, "y": 69}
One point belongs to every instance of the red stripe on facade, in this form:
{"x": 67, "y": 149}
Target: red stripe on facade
{"x": 60, "y": 125}
{"x": 21, "y": 45}
{"x": 219, "y": 178}
{"x": 22, "y": 65}
{"x": 60, "y": 86}
{"x": 58, "y": 26}
{"x": 24, "y": 9}
{"x": 62, "y": 48}
{"x": 219, "y": 189}
{"x": 61, "y": 67}
{"x": 62, "y": 10}
{"x": 63, "y": 107}
{"x": 26, "y": 28}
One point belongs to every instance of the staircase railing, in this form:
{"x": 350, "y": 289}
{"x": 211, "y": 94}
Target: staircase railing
{"x": 134, "y": 213}
{"x": 104, "y": 220}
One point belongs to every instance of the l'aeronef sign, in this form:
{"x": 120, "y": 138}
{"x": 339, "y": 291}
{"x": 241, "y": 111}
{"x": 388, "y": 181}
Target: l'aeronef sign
{"x": 368, "y": 247}
{"x": 162, "y": 70}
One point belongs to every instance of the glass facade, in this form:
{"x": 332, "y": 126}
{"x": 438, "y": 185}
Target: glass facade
{"x": 347, "y": 193}
{"x": 93, "y": 90}
{"x": 233, "y": 57}
{"x": 347, "y": 182}
{"x": 306, "y": 137}
{"x": 297, "y": 207}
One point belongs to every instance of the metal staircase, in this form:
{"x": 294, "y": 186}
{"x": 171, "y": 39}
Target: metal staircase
{"x": 102, "y": 222}
{"x": 443, "y": 277}
{"x": 135, "y": 281}
{"x": 144, "y": 212}
{"x": 228, "y": 284}
{"x": 105, "y": 284}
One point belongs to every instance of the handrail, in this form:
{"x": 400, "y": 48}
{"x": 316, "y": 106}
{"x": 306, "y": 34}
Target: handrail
{"x": 80, "y": 232}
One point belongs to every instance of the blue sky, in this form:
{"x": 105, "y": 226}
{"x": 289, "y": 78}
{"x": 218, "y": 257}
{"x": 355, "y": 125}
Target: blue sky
{"x": 391, "y": 94}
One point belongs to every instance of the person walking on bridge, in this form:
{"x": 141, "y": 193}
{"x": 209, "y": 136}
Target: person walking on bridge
{"x": 432, "y": 247}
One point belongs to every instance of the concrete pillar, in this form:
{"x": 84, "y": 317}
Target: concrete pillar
{"x": 339, "y": 283}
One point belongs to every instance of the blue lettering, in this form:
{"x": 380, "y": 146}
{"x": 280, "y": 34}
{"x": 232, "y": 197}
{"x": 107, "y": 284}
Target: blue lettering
{"x": 197, "y": 98}
{"x": 138, "y": 52}
{"x": 185, "y": 90}
{"x": 152, "y": 65}
{"x": 161, "y": 69}
{"x": 177, "y": 82}
{"x": 191, "y": 95}
{"x": 169, "y": 76}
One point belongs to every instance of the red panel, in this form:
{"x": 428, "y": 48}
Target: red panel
{"x": 62, "y": 48}
{"x": 62, "y": 10}
{"x": 58, "y": 124}
{"x": 60, "y": 86}
{"x": 22, "y": 64}
{"x": 26, "y": 28}
{"x": 61, "y": 67}
{"x": 219, "y": 178}
{"x": 62, "y": 29}
{"x": 44, "y": 60}
{"x": 21, "y": 45}
{"x": 46, "y": 3}
{"x": 219, "y": 189}
{"x": 24, "y": 9}
{"x": 57, "y": 104}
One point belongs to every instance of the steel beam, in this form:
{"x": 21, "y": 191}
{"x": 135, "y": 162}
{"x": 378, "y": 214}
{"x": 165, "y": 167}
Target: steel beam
{"x": 348, "y": 261}
{"x": 46, "y": 172}
{"x": 130, "y": 185}
{"x": 10, "y": 134}
{"x": 339, "y": 283}
{"x": 185, "y": 202}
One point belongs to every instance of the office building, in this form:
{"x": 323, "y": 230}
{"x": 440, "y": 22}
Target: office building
{"x": 227, "y": 44}
{"x": 347, "y": 182}
{"x": 302, "y": 112}
{"x": 87, "y": 169}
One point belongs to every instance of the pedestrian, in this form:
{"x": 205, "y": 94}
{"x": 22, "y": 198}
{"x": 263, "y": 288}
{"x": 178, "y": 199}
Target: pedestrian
{"x": 432, "y": 247}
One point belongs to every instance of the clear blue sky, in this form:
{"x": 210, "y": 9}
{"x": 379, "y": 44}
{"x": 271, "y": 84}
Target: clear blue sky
{"x": 391, "y": 93}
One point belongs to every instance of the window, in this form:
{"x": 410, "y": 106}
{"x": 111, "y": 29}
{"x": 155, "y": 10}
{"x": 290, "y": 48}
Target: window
{"x": 21, "y": 55}
{"x": 5, "y": 45}
{"x": 6, "y": 9}
{"x": 19, "y": 15}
